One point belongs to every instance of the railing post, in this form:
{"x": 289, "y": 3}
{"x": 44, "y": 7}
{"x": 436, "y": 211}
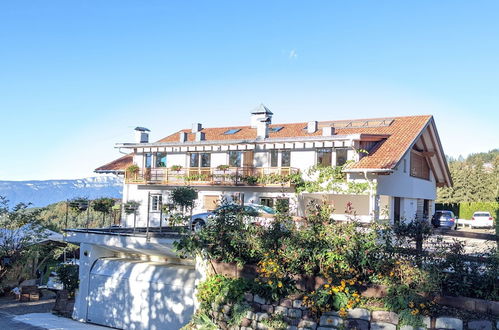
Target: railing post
{"x": 148, "y": 215}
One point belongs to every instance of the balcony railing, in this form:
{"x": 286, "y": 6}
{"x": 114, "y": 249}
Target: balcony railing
{"x": 232, "y": 176}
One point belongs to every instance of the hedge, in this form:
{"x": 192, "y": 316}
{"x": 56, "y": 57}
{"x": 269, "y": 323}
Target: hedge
{"x": 466, "y": 210}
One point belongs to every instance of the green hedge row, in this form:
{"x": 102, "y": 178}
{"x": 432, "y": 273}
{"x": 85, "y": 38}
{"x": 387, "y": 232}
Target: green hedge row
{"x": 466, "y": 210}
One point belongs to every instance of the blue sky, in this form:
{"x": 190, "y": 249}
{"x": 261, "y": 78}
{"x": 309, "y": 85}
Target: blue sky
{"x": 78, "y": 76}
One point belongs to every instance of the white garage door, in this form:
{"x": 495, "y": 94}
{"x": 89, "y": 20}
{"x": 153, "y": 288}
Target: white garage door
{"x": 130, "y": 294}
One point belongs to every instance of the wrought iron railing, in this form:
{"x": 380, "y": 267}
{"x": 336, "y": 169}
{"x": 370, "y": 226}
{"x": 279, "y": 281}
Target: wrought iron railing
{"x": 243, "y": 176}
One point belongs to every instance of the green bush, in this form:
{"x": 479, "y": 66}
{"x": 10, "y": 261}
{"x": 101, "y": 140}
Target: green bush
{"x": 68, "y": 275}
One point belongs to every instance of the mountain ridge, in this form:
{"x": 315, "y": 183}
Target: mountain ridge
{"x": 44, "y": 192}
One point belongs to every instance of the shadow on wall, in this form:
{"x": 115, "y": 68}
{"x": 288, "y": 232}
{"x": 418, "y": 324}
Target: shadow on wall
{"x": 134, "y": 294}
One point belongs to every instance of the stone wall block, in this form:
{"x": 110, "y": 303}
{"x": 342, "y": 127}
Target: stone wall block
{"x": 480, "y": 325}
{"x": 359, "y": 313}
{"x": 248, "y": 297}
{"x": 306, "y": 324}
{"x": 384, "y": 316}
{"x": 295, "y": 313}
{"x": 261, "y": 326}
{"x": 245, "y": 322}
{"x": 281, "y": 310}
{"x": 286, "y": 303}
{"x": 383, "y": 326}
{"x": 449, "y": 323}
{"x": 250, "y": 315}
{"x": 298, "y": 304}
{"x": 409, "y": 327}
{"x": 259, "y": 300}
{"x": 261, "y": 316}
{"x": 330, "y": 320}
{"x": 267, "y": 309}
{"x": 427, "y": 321}
{"x": 357, "y": 324}
{"x": 226, "y": 309}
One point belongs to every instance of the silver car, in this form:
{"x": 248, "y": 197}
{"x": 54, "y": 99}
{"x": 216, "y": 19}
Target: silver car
{"x": 255, "y": 210}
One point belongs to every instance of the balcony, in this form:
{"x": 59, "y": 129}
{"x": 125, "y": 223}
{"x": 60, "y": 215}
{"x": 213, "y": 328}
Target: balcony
{"x": 208, "y": 176}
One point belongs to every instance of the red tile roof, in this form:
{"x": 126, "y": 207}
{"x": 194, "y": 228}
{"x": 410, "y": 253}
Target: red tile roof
{"x": 402, "y": 132}
{"x": 117, "y": 165}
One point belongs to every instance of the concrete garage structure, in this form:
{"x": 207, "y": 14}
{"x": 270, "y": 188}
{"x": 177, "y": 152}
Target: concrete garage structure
{"x": 133, "y": 281}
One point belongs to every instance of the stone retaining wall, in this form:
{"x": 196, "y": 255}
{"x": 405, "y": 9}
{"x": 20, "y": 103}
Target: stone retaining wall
{"x": 299, "y": 317}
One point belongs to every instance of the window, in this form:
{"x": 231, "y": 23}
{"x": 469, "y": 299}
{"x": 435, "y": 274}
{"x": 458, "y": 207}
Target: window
{"x": 156, "y": 203}
{"x": 285, "y": 158}
{"x": 274, "y": 158}
{"x": 324, "y": 157}
{"x": 405, "y": 165}
{"x": 200, "y": 159}
{"x": 205, "y": 159}
{"x": 396, "y": 210}
{"x": 419, "y": 166}
{"x": 161, "y": 159}
{"x": 235, "y": 158}
{"x": 267, "y": 201}
{"x": 275, "y": 129}
{"x": 147, "y": 160}
{"x": 194, "y": 160}
{"x": 232, "y": 131}
{"x": 341, "y": 156}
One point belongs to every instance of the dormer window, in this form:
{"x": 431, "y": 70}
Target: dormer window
{"x": 275, "y": 129}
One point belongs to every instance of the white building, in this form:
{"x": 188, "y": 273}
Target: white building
{"x": 400, "y": 161}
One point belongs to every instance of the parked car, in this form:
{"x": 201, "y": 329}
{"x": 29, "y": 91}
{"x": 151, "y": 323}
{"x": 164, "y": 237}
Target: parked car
{"x": 444, "y": 219}
{"x": 482, "y": 219}
{"x": 255, "y": 210}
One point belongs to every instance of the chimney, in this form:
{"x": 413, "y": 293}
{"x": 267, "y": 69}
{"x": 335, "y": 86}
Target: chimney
{"x": 262, "y": 129}
{"x": 200, "y": 136}
{"x": 311, "y": 127}
{"x": 141, "y": 135}
{"x": 328, "y": 131}
{"x": 260, "y": 113}
{"x": 196, "y": 127}
{"x": 183, "y": 137}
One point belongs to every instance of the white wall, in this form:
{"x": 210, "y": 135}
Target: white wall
{"x": 401, "y": 184}
{"x": 303, "y": 159}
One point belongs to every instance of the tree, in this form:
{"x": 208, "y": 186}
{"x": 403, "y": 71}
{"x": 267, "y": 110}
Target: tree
{"x": 20, "y": 230}
{"x": 184, "y": 198}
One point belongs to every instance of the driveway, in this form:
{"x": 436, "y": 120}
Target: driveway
{"x": 36, "y": 315}
{"x": 10, "y": 308}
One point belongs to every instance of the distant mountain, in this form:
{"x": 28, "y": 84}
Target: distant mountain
{"x": 43, "y": 193}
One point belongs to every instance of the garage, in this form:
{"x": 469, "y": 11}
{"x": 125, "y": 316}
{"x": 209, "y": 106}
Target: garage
{"x": 136, "y": 294}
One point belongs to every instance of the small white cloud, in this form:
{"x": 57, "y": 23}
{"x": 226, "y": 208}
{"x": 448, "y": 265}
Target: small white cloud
{"x": 293, "y": 54}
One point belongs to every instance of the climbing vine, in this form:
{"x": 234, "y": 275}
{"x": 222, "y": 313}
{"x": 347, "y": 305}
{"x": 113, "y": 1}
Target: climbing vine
{"x": 330, "y": 179}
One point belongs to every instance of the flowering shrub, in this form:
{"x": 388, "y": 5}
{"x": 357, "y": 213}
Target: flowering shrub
{"x": 338, "y": 297}
{"x": 274, "y": 281}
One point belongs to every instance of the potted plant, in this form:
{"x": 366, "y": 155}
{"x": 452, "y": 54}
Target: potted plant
{"x": 223, "y": 167}
{"x": 79, "y": 204}
{"x": 176, "y": 168}
{"x": 131, "y": 206}
{"x": 132, "y": 169}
